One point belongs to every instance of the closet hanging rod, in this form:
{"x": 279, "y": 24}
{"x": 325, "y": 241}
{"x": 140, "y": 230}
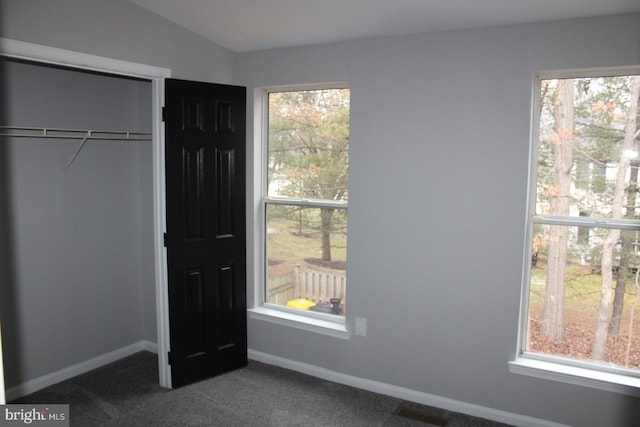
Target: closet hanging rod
{"x": 58, "y": 133}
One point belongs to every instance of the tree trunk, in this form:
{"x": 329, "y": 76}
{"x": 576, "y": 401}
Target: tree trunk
{"x": 559, "y": 197}
{"x": 627, "y": 250}
{"x": 553, "y": 315}
{"x": 600, "y": 340}
{"x": 326, "y": 216}
{"x": 621, "y": 282}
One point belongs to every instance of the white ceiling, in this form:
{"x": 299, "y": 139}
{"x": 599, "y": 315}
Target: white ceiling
{"x": 249, "y": 25}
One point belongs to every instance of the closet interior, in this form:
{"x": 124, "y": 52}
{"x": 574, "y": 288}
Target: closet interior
{"x": 76, "y": 217}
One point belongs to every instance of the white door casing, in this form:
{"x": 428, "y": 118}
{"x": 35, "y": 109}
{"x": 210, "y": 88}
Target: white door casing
{"x": 49, "y": 55}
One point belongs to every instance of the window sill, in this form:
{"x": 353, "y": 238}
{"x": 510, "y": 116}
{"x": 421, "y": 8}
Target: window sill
{"x": 608, "y": 381}
{"x": 299, "y": 321}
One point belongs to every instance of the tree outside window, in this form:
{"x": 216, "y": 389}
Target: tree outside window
{"x": 307, "y": 172}
{"x": 584, "y": 290}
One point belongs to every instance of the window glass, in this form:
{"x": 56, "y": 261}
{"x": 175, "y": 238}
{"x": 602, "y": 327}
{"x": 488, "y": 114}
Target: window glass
{"x": 584, "y": 290}
{"x": 308, "y": 154}
{"x": 307, "y": 172}
{"x": 306, "y": 256}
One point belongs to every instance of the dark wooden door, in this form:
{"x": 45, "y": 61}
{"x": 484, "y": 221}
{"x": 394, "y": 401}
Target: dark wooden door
{"x": 205, "y": 181}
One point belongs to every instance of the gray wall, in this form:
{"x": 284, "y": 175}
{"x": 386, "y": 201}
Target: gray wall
{"x": 79, "y": 241}
{"x": 440, "y": 131}
{"x": 116, "y": 29}
{"x": 436, "y": 275}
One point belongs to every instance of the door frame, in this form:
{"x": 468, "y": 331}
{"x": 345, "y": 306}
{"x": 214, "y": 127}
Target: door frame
{"x": 71, "y": 59}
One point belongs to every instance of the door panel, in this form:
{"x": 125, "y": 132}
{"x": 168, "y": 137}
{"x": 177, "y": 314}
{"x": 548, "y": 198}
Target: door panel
{"x": 193, "y": 175}
{"x": 205, "y": 169}
{"x": 225, "y": 160}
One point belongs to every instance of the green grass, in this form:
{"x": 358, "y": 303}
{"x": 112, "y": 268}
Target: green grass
{"x": 289, "y": 242}
{"x": 581, "y": 283}
{"x": 582, "y": 292}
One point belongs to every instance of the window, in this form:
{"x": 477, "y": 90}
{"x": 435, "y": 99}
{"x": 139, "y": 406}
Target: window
{"x": 582, "y": 287}
{"x": 306, "y": 172}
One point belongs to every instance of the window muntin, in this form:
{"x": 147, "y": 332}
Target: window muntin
{"x": 305, "y": 200}
{"x": 583, "y": 293}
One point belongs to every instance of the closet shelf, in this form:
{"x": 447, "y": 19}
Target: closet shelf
{"x": 58, "y": 133}
{"x": 83, "y": 134}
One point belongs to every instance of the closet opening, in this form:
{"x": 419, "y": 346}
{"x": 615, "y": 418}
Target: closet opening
{"x": 81, "y": 265}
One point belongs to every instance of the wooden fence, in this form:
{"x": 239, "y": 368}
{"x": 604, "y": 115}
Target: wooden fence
{"x": 314, "y": 285}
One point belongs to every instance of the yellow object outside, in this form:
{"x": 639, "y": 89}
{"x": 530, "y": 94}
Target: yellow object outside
{"x": 301, "y": 303}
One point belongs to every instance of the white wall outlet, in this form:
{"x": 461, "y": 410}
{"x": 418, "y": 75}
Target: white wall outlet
{"x": 361, "y": 326}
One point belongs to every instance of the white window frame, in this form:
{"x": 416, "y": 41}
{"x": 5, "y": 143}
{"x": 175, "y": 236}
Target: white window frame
{"x": 311, "y": 321}
{"x": 545, "y": 366}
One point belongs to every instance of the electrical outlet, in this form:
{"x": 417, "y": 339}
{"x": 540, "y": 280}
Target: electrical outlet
{"x": 361, "y": 326}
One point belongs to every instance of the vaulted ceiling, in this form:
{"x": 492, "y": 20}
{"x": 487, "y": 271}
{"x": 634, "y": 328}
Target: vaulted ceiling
{"x": 249, "y": 25}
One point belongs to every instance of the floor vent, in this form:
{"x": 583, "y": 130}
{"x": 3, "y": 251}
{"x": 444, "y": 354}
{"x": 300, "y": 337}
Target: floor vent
{"x": 421, "y": 415}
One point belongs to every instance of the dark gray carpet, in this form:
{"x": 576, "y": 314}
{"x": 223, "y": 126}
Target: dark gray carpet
{"x": 126, "y": 393}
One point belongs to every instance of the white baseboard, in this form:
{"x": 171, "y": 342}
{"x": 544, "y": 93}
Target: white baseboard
{"x": 39, "y": 383}
{"x": 403, "y": 393}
